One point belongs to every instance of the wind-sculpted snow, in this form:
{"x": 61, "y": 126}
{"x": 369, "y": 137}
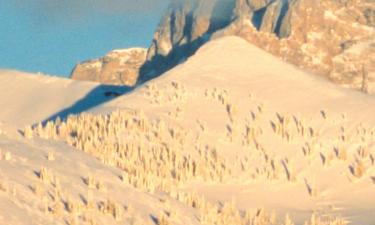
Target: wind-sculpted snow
{"x": 156, "y": 156}
{"x": 159, "y": 154}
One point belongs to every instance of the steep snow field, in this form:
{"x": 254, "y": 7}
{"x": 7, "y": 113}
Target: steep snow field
{"x": 231, "y": 136}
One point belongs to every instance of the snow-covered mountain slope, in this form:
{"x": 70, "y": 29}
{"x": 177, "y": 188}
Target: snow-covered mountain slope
{"x": 30, "y": 98}
{"x": 228, "y": 137}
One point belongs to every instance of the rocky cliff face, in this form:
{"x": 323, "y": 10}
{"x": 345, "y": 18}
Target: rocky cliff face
{"x": 317, "y": 31}
{"x": 119, "y": 67}
{"x": 312, "y": 34}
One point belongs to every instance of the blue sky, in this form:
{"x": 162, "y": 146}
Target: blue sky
{"x": 51, "y": 36}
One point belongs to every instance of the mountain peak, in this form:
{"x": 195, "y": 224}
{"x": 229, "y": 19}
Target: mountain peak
{"x": 307, "y": 33}
{"x": 312, "y": 34}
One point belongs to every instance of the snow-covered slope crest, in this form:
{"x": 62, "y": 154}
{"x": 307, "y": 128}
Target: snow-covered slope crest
{"x": 232, "y": 136}
{"x": 29, "y": 98}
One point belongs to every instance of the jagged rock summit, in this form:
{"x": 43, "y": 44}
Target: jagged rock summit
{"x": 313, "y": 34}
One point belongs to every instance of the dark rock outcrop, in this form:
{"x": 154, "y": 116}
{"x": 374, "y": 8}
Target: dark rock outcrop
{"x": 119, "y": 67}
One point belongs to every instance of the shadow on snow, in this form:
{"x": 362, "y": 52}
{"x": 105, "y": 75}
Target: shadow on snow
{"x": 97, "y": 96}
